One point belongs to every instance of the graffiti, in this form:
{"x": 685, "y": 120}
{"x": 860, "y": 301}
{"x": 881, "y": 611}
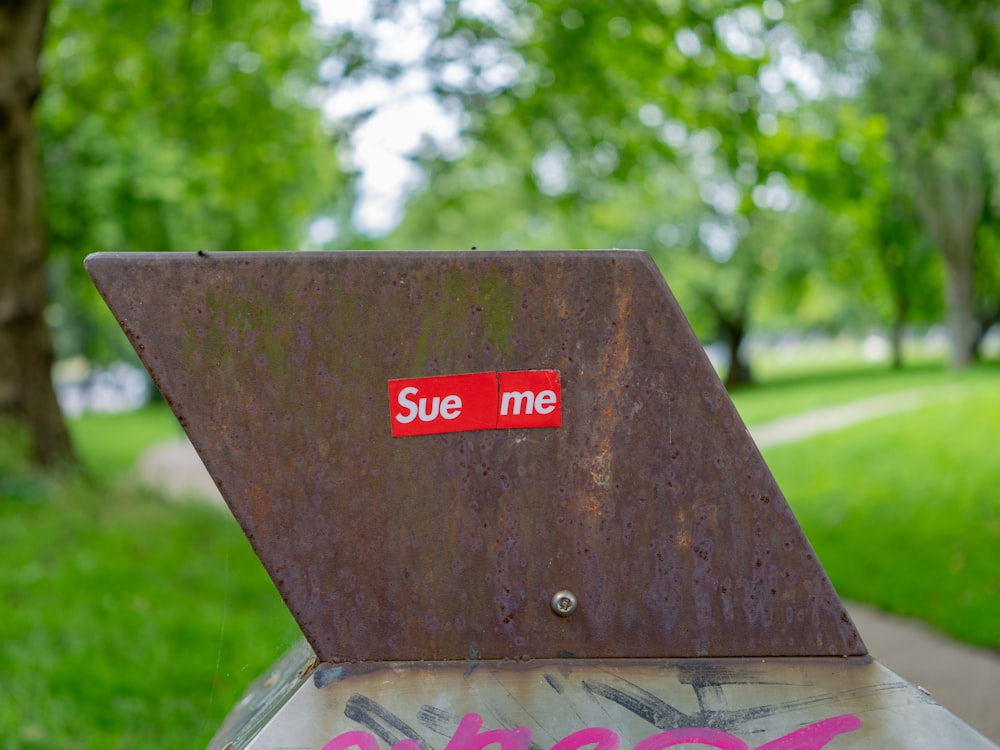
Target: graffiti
{"x": 714, "y": 725}
{"x": 469, "y": 735}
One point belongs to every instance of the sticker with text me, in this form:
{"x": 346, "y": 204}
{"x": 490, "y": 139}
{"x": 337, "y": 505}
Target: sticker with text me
{"x": 475, "y": 401}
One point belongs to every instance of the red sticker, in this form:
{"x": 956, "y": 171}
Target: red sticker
{"x": 531, "y": 398}
{"x": 475, "y": 401}
{"x": 449, "y": 403}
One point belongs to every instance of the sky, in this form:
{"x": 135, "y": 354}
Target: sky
{"x": 407, "y": 112}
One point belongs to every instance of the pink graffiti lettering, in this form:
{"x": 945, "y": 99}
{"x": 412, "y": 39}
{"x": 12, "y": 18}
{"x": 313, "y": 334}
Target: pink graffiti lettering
{"x": 815, "y": 736}
{"x": 601, "y": 738}
{"x": 356, "y": 738}
{"x": 711, "y": 737}
{"x": 365, "y": 741}
{"x": 468, "y": 736}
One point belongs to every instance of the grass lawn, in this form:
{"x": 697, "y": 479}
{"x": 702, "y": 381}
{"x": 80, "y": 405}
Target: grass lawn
{"x": 904, "y": 510}
{"x": 128, "y": 620}
{"x": 109, "y": 444}
{"x": 131, "y": 621}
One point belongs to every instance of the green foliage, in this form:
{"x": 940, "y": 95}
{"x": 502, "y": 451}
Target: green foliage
{"x": 936, "y": 88}
{"x": 644, "y": 125}
{"x": 176, "y": 126}
{"x": 765, "y": 153}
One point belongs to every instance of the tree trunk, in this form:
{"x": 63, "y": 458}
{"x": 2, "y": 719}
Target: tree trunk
{"x": 959, "y": 295}
{"x": 733, "y": 332}
{"x": 896, "y": 334}
{"x": 26, "y": 392}
{"x": 951, "y": 196}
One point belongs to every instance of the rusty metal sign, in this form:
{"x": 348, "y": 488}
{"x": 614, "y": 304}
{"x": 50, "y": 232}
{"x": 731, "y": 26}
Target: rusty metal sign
{"x": 643, "y": 524}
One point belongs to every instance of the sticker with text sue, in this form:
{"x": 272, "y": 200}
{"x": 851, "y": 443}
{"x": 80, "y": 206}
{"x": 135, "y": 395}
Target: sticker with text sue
{"x": 475, "y": 401}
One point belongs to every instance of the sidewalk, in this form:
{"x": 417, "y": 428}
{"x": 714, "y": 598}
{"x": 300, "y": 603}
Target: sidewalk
{"x": 963, "y": 679}
{"x": 810, "y": 423}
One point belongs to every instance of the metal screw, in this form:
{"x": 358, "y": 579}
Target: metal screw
{"x": 564, "y": 603}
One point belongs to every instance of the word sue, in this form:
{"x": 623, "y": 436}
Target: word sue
{"x": 475, "y": 401}
{"x": 468, "y": 736}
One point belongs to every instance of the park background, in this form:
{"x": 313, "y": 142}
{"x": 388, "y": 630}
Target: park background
{"x": 818, "y": 181}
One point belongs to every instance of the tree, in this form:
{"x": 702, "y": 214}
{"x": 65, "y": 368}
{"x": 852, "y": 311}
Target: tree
{"x": 167, "y": 126}
{"x": 935, "y": 83}
{"x": 986, "y": 272}
{"x": 886, "y": 256}
{"x": 987, "y": 258}
{"x": 586, "y": 109}
{"x": 906, "y": 257}
{"x": 177, "y": 126}
{"x": 951, "y": 197}
{"x": 26, "y": 393}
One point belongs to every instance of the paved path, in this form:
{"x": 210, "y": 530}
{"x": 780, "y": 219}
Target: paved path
{"x": 965, "y": 680}
{"x": 175, "y": 469}
{"x": 810, "y": 423}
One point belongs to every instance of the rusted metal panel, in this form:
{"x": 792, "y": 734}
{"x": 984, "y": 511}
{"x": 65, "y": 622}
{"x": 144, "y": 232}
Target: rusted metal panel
{"x": 650, "y": 503}
{"x": 732, "y": 704}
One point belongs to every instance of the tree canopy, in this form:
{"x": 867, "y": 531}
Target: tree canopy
{"x": 165, "y": 126}
{"x": 763, "y": 151}
{"x": 177, "y": 126}
{"x": 789, "y": 164}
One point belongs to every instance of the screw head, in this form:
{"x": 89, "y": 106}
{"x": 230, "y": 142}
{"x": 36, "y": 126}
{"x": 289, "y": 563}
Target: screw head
{"x": 564, "y": 603}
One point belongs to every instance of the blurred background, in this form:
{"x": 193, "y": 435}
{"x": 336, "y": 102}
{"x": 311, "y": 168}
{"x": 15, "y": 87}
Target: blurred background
{"x": 818, "y": 181}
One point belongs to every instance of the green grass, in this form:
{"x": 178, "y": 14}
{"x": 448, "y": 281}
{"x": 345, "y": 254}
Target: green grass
{"x": 128, "y": 620}
{"x": 109, "y": 444}
{"x": 904, "y": 510}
